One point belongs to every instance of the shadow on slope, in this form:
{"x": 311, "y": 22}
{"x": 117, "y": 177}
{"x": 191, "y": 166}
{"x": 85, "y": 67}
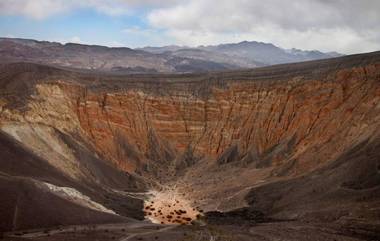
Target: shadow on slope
{"x": 345, "y": 194}
{"x": 24, "y": 204}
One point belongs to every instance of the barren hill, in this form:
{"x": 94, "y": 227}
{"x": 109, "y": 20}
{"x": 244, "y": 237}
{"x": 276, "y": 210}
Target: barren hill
{"x": 100, "y": 58}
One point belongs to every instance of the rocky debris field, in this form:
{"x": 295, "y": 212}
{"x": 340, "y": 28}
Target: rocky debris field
{"x": 170, "y": 207}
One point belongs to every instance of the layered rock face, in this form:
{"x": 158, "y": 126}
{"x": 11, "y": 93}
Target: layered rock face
{"x": 243, "y": 129}
{"x": 263, "y": 116}
{"x": 273, "y": 121}
{"x": 291, "y": 120}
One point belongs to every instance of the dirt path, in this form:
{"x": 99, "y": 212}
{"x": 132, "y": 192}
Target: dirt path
{"x": 147, "y": 233}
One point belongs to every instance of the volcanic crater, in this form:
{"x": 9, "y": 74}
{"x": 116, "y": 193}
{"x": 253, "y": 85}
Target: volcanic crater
{"x": 287, "y": 152}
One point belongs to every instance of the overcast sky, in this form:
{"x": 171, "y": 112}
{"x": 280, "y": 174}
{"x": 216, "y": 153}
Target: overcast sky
{"x": 346, "y": 26}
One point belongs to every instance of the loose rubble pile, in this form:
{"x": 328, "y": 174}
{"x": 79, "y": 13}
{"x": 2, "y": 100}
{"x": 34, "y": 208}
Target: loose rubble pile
{"x": 169, "y": 207}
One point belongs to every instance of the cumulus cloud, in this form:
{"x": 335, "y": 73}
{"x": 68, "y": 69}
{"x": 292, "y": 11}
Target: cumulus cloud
{"x": 342, "y": 25}
{"x": 42, "y": 9}
{"x": 347, "y": 26}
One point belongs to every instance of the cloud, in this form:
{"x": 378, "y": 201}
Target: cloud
{"x": 342, "y": 25}
{"x": 35, "y": 9}
{"x": 75, "y": 39}
{"x": 347, "y": 26}
{"x": 42, "y": 9}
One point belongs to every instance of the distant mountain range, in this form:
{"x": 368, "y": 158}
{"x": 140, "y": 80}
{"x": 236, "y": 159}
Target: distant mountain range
{"x": 245, "y": 54}
{"x": 168, "y": 59}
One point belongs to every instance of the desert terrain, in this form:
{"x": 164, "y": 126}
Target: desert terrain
{"x": 285, "y": 152}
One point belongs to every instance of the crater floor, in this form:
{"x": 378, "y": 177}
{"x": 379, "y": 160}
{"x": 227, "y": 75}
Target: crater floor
{"x": 170, "y": 207}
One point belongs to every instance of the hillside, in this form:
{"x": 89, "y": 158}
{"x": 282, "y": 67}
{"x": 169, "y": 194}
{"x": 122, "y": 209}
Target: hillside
{"x": 246, "y": 54}
{"x": 151, "y": 60}
{"x": 100, "y": 58}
